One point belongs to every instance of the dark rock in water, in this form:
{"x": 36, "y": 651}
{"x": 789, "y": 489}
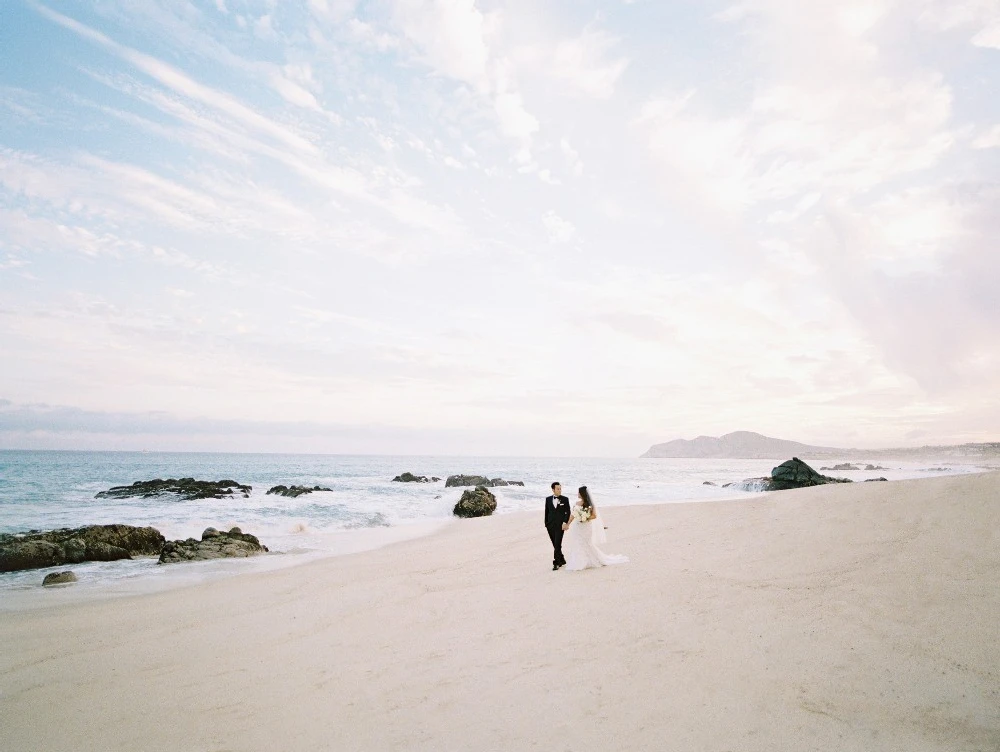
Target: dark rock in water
{"x": 875, "y": 467}
{"x": 31, "y": 554}
{"x": 842, "y": 466}
{"x": 59, "y": 578}
{"x": 795, "y": 473}
{"x": 294, "y": 491}
{"x": 187, "y": 488}
{"x": 936, "y": 469}
{"x": 36, "y": 549}
{"x": 710, "y": 483}
{"x": 871, "y": 480}
{"x": 476, "y": 503}
{"x": 75, "y": 550}
{"x": 411, "y": 478}
{"x": 106, "y": 552}
{"x": 214, "y": 544}
{"x": 455, "y": 481}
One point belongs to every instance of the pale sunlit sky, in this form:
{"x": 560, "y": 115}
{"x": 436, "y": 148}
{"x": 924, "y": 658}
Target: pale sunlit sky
{"x": 552, "y": 228}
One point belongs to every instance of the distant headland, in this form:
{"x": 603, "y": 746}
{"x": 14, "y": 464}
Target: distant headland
{"x": 750, "y": 445}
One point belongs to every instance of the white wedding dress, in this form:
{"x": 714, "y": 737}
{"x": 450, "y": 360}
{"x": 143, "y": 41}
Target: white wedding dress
{"x": 580, "y": 546}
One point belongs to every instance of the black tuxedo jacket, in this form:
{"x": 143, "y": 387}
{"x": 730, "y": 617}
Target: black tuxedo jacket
{"x": 555, "y": 516}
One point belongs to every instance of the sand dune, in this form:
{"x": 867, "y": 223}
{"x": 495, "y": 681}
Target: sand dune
{"x": 856, "y": 617}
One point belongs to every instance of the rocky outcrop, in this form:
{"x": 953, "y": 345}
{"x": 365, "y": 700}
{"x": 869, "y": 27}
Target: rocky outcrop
{"x": 34, "y": 550}
{"x": 456, "y": 481}
{"x": 187, "y": 488}
{"x": 795, "y": 473}
{"x": 59, "y": 578}
{"x": 294, "y": 491}
{"x": 875, "y": 467}
{"x": 842, "y": 466}
{"x": 476, "y": 503}
{"x": 870, "y": 480}
{"x": 411, "y": 478}
{"x": 213, "y": 545}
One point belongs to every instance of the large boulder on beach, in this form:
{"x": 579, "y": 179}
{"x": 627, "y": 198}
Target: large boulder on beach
{"x": 294, "y": 491}
{"x": 37, "y": 549}
{"x": 188, "y": 489}
{"x": 214, "y": 544}
{"x": 476, "y": 503}
{"x": 59, "y": 578}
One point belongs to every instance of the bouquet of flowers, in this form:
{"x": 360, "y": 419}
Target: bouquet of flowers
{"x": 583, "y": 514}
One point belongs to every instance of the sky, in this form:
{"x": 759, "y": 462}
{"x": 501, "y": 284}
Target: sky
{"x": 497, "y": 228}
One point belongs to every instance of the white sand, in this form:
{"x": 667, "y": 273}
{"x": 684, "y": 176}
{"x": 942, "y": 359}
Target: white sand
{"x": 857, "y": 617}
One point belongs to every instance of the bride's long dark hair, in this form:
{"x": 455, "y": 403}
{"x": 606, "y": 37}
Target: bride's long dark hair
{"x": 585, "y": 495}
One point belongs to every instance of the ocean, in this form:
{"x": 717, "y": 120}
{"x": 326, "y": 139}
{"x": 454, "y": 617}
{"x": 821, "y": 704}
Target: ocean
{"x": 45, "y": 490}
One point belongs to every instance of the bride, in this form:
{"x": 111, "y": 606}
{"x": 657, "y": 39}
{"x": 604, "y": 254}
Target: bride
{"x": 584, "y": 531}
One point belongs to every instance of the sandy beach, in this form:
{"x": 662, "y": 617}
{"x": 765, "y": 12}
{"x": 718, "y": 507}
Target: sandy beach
{"x": 850, "y": 617}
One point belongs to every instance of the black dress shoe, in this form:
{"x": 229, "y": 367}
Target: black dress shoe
{"x": 555, "y": 567}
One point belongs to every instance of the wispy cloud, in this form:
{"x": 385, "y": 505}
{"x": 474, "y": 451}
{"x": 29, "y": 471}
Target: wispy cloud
{"x": 453, "y": 216}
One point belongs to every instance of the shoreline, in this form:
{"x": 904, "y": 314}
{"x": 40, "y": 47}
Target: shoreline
{"x": 146, "y": 577}
{"x": 851, "y": 617}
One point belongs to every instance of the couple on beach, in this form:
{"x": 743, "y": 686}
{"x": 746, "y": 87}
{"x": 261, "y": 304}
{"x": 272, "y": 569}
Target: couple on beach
{"x": 579, "y": 528}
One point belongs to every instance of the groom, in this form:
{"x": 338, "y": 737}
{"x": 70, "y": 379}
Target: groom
{"x": 556, "y": 517}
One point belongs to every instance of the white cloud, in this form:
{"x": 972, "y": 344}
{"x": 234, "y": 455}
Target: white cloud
{"x": 584, "y": 63}
{"x": 572, "y": 157}
{"x": 559, "y": 230}
{"x": 370, "y": 37}
{"x": 989, "y": 36}
{"x": 988, "y": 140}
{"x": 449, "y": 35}
{"x": 515, "y": 121}
{"x": 263, "y": 27}
{"x": 293, "y": 92}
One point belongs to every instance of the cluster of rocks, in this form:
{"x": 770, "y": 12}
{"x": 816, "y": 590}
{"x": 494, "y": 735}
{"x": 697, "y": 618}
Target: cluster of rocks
{"x": 293, "y": 491}
{"x": 411, "y": 478}
{"x": 849, "y": 466}
{"x": 457, "y": 481}
{"x": 478, "y": 502}
{"x": 214, "y": 544}
{"x": 793, "y": 473}
{"x": 36, "y": 549}
{"x": 187, "y": 488}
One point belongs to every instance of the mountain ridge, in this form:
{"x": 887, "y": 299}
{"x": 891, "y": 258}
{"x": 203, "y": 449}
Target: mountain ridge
{"x": 736, "y": 445}
{"x": 751, "y": 445}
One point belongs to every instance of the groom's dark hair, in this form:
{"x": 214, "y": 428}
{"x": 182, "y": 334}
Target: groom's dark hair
{"x": 554, "y": 484}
